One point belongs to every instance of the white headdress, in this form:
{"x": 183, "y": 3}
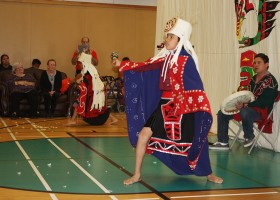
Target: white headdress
{"x": 183, "y": 30}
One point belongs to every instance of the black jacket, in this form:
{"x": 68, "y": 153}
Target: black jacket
{"x": 4, "y": 68}
{"x": 46, "y": 85}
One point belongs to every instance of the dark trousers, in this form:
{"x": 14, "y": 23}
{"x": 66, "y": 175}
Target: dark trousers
{"x": 32, "y": 98}
{"x": 248, "y": 116}
{"x": 50, "y": 101}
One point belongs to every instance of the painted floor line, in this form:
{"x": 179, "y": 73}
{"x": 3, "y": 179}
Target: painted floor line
{"x": 39, "y": 175}
{"x": 102, "y": 187}
{"x": 222, "y": 195}
{"x": 119, "y": 167}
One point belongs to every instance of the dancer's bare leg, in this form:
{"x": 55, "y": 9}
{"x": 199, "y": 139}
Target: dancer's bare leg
{"x": 143, "y": 139}
{"x": 215, "y": 179}
{"x": 113, "y": 119}
{"x": 73, "y": 119}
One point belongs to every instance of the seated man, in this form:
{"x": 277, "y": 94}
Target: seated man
{"x": 36, "y": 63}
{"x": 265, "y": 88}
{"x": 35, "y": 71}
{"x": 84, "y": 47}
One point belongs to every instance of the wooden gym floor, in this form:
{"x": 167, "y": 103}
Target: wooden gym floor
{"x": 43, "y": 159}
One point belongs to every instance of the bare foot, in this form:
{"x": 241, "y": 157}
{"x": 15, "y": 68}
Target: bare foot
{"x": 215, "y": 179}
{"x": 131, "y": 180}
{"x": 71, "y": 123}
{"x": 113, "y": 121}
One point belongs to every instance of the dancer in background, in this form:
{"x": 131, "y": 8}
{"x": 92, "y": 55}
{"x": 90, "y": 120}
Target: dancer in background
{"x": 91, "y": 104}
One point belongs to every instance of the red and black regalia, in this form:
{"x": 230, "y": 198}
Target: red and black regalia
{"x": 172, "y": 102}
{"x": 93, "y": 116}
{"x": 91, "y": 102}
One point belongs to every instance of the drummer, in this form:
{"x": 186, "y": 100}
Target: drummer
{"x": 265, "y": 88}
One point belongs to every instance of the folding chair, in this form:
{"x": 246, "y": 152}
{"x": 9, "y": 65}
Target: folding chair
{"x": 236, "y": 135}
{"x": 259, "y": 129}
{"x": 265, "y": 122}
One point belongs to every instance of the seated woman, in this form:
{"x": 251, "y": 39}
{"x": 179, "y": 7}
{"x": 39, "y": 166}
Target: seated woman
{"x": 50, "y": 84}
{"x": 22, "y": 86}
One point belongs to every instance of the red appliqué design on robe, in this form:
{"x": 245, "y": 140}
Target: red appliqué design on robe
{"x": 186, "y": 101}
{"x": 172, "y": 123}
{"x": 85, "y": 100}
{"x": 82, "y": 99}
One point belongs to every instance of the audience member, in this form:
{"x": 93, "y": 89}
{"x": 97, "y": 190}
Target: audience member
{"x": 119, "y": 82}
{"x": 50, "y": 84}
{"x": 264, "y": 86}
{"x": 35, "y": 70}
{"x": 116, "y": 69}
{"x": 36, "y": 63}
{"x": 83, "y": 47}
{"x": 5, "y": 63}
{"x": 22, "y": 86}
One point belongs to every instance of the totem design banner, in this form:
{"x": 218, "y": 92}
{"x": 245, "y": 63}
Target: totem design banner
{"x": 249, "y": 36}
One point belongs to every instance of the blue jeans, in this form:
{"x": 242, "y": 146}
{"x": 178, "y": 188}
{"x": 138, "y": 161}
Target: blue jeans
{"x": 248, "y": 116}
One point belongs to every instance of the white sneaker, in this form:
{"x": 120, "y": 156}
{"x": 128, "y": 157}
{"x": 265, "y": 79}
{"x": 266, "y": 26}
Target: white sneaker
{"x": 248, "y": 142}
{"x": 219, "y": 146}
